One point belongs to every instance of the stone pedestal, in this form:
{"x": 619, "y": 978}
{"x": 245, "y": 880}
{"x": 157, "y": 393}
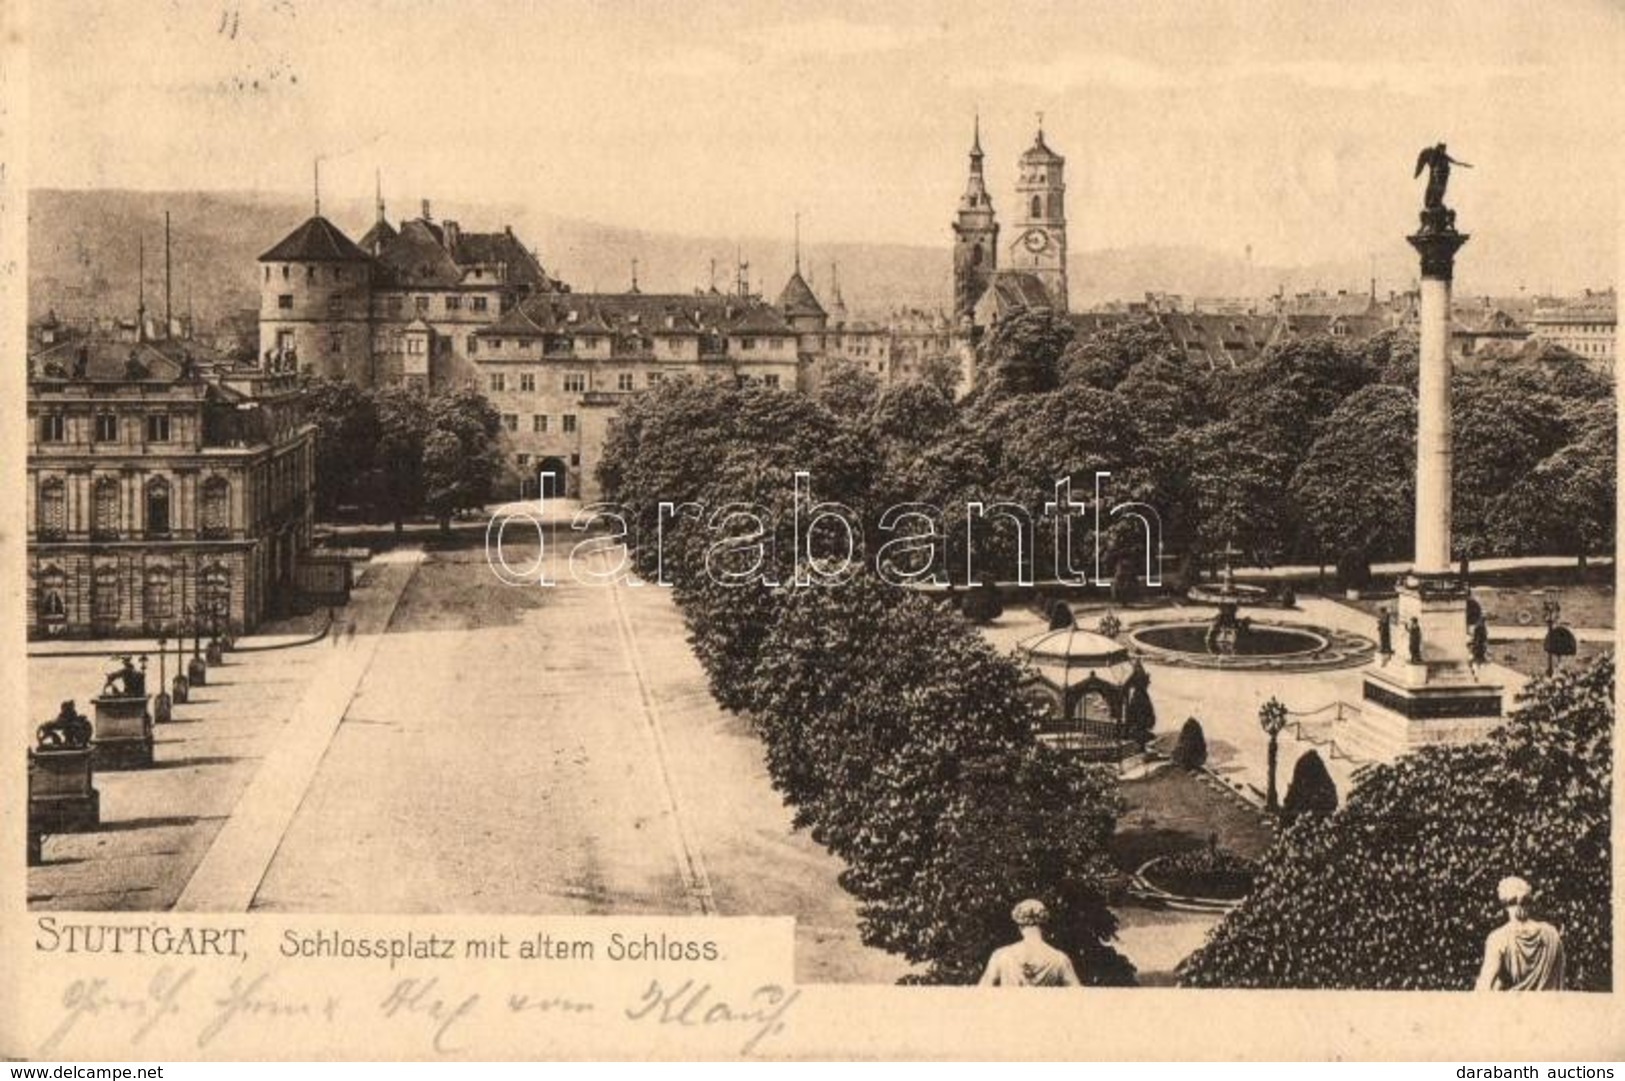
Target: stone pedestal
{"x": 123, "y": 738}
{"x": 214, "y": 653}
{"x": 61, "y": 797}
{"x": 179, "y": 689}
{"x": 197, "y": 672}
{"x": 162, "y": 713}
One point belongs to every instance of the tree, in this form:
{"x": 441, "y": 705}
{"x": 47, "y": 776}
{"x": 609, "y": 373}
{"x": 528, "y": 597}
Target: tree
{"x": 1311, "y": 790}
{"x": 1397, "y": 890}
{"x": 1502, "y": 431}
{"x": 403, "y": 425}
{"x": 1356, "y": 489}
{"x": 347, "y": 434}
{"x": 1021, "y": 355}
{"x": 1567, "y": 502}
{"x": 1104, "y": 359}
{"x": 1191, "y": 750}
{"x": 847, "y": 389}
{"x": 462, "y": 452}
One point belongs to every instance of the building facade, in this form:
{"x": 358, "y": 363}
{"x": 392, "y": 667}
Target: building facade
{"x": 1586, "y": 326}
{"x": 403, "y": 305}
{"x": 160, "y": 498}
{"x": 559, "y": 365}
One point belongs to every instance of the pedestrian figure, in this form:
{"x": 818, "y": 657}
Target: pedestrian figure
{"x": 1032, "y": 962}
{"x": 1522, "y": 954}
{"x": 1414, "y": 633}
{"x": 1385, "y": 635}
{"x": 349, "y": 633}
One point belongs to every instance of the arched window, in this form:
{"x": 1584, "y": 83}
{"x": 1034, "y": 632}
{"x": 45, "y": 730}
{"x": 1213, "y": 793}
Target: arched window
{"x": 104, "y": 605}
{"x": 50, "y": 605}
{"x": 216, "y": 507}
{"x": 157, "y": 506}
{"x": 214, "y": 595}
{"x": 53, "y": 509}
{"x": 104, "y": 516}
{"x": 157, "y": 601}
{"x": 1038, "y": 206}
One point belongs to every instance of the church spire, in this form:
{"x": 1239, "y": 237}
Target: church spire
{"x": 798, "y": 242}
{"x": 378, "y": 189}
{"x": 976, "y": 143}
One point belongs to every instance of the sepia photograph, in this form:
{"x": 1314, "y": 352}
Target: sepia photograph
{"x": 1108, "y": 497}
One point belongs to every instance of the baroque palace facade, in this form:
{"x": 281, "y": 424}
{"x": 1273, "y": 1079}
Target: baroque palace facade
{"x": 164, "y": 493}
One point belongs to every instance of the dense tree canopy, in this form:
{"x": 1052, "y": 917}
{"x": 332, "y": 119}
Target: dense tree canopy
{"x": 1396, "y": 891}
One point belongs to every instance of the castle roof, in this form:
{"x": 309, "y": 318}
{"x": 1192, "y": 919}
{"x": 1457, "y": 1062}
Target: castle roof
{"x": 380, "y": 234}
{"x": 316, "y": 241}
{"x": 797, "y": 299}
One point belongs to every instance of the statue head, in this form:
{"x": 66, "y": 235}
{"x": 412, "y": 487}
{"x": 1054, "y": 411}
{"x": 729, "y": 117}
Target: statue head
{"x": 1513, "y": 893}
{"x": 68, "y": 708}
{"x": 1030, "y": 913}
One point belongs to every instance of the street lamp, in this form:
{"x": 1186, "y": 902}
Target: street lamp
{"x": 1272, "y": 718}
{"x": 161, "y": 710}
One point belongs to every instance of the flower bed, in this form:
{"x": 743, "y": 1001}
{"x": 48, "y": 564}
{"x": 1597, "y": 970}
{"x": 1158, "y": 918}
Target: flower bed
{"x": 1209, "y": 872}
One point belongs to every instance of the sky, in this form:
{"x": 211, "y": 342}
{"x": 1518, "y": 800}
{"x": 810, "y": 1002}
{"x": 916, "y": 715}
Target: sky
{"x": 1292, "y": 128}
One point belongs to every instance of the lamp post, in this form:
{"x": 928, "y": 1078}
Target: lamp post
{"x": 1272, "y": 718}
{"x": 197, "y": 671}
{"x": 179, "y": 686}
{"x": 161, "y": 707}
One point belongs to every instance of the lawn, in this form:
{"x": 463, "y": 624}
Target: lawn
{"x": 1175, "y": 811}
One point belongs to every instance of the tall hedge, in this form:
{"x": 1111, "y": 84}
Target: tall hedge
{"x": 1396, "y": 891}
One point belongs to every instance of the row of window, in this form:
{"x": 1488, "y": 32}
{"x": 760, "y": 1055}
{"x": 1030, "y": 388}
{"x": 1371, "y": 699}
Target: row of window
{"x": 53, "y": 427}
{"x": 539, "y": 423}
{"x": 336, "y": 304}
{"x": 104, "y": 507}
{"x": 335, "y": 273}
{"x": 212, "y": 593}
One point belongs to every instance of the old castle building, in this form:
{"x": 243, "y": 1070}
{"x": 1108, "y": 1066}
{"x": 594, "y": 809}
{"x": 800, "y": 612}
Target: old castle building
{"x": 402, "y": 305}
{"x": 432, "y": 304}
{"x": 162, "y": 493}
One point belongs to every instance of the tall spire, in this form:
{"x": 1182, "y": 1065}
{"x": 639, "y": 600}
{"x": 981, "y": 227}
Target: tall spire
{"x": 316, "y": 183}
{"x": 798, "y": 242}
{"x": 976, "y": 143}
{"x": 378, "y": 191}
{"x": 141, "y": 288}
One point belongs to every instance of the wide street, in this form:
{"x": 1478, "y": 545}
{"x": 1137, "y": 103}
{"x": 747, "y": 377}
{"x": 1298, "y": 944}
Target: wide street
{"x": 473, "y": 747}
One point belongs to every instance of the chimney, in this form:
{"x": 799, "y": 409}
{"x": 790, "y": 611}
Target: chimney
{"x": 426, "y": 215}
{"x": 453, "y": 233}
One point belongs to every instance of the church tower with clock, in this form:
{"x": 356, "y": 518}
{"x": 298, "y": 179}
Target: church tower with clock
{"x": 1038, "y": 241}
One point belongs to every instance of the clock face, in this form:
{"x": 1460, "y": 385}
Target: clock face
{"x": 1036, "y": 241}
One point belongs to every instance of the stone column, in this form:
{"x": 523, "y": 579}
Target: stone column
{"x": 1437, "y": 243}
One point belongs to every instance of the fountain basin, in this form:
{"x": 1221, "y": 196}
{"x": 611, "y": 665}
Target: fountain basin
{"x": 1260, "y": 640}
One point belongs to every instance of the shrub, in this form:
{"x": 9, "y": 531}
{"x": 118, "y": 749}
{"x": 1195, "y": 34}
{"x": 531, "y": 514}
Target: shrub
{"x": 1209, "y": 871}
{"x": 1311, "y": 790}
{"x": 1191, "y": 750}
{"x": 982, "y": 605}
{"x": 1397, "y": 890}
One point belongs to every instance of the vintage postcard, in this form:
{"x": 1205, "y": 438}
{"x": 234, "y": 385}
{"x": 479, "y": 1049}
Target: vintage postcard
{"x": 755, "y": 530}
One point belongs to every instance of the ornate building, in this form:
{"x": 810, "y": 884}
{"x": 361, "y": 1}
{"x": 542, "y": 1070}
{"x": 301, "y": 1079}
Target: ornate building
{"x": 159, "y": 495}
{"x": 976, "y": 236}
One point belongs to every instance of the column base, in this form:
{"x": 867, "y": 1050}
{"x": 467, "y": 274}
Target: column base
{"x": 1440, "y": 700}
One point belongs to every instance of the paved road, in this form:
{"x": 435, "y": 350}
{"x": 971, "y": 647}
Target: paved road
{"x": 551, "y": 750}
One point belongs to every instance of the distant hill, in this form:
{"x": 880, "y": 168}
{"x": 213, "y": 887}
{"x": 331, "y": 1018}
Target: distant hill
{"x": 83, "y": 256}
